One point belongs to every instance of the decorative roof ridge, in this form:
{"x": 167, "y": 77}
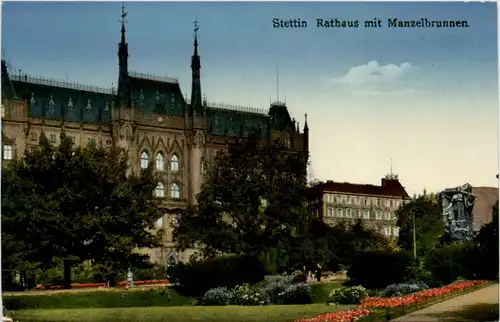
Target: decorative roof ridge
{"x": 60, "y": 83}
{"x": 233, "y": 107}
{"x": 154, "y": 77}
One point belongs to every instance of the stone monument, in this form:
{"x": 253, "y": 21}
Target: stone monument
{"x": 457, "y": 204}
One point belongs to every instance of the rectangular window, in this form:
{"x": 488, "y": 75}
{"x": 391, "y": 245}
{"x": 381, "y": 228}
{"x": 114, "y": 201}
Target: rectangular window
{"x": 388, "y": 203}
{"x": 366, "y": 214}
{"x": 53, "y": 138}
{"x": 330, "y": 212}
{"x": 395, "y": 231}
{"x": 8, "y": 152}
{"x": 387, "y": 215}
{"x": 73, "y": 140}
{"x": 394, "y": 216}
{"x": 378, "y": 202}
{"x": 387, "y": 230}
{"x": 355, "y": 213}
{"x": 3, "y": 111}
{"x": 339, "y": 212}
{"x": 396, "y": 204}
{"x": 378, "y": 215}
{"x": 348, "y": 213}
{"x": 349, "y": 200}
{"x": 356, "y": 200}
{"x": 366, "y": 202}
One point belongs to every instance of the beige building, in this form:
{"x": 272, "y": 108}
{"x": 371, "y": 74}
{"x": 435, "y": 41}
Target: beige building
{"x": 482, "y": 213}
{"x": 375, "y": 206}
{"x": 148, "y": 116}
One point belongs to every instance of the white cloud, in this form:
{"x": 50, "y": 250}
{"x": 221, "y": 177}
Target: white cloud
{"x": 374, "y": 79}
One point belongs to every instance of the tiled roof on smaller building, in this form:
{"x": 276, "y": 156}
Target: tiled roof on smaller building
{"x": 388, "y": 188}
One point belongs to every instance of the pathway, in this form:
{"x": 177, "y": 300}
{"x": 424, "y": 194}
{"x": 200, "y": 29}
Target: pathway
{"x": 477, "y": 306}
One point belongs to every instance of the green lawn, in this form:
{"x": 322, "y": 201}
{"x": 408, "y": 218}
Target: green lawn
{"x": 96, "y": 299}
{"x": 269, "y": 313}
{"x": 322, "y": 291}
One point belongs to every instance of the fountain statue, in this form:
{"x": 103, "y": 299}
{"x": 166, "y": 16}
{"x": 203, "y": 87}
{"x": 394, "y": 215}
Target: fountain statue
{"x": 457, "y": 206}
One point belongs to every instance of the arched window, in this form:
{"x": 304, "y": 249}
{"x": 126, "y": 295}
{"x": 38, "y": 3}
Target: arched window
{"x": 160, "y": 161}
{"x": 175, "y": 191}
{"x": 174, "y": 163}
{"x": 160, "y": 190}
{"x": 144, "y": 160}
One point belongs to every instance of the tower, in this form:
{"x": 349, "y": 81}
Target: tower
{"x": 196, "y": 108}
{"x": 122, "y": 117}
{"x": 123, "y": 96}
{"x": 306, "y": 136}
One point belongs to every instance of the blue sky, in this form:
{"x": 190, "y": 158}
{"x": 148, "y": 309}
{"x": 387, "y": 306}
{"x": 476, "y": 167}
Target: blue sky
{"x": 425, "y": 97}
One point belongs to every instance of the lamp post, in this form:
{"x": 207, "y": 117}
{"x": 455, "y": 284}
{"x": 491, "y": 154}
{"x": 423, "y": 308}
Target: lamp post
{"x": 414, "y": 234}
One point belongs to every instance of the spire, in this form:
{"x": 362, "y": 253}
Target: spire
{"x": 306, "y": 128}
{"x": 196, "y": 102}
{"x": 123, "y": 81}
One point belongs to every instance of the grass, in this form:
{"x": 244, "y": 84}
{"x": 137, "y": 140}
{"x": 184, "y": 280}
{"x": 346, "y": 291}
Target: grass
{"x": 322, "y": 291}
{"x": 115, "y": 298}
{"x": 271, "y": 313}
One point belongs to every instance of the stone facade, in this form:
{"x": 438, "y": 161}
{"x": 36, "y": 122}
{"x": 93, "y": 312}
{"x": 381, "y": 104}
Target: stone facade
{"x": 149, "y": 117}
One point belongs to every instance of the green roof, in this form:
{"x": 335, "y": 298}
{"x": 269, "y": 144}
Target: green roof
{"x": 62, "y": 100}
{"x": 80, "y": 103}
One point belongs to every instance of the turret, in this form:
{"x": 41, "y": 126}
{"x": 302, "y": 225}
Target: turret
{"x": 196, "y": 108}
{"x": 123, "y": 95}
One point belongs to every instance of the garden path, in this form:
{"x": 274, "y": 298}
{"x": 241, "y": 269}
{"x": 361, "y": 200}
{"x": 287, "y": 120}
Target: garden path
{"x": 480, "y": 305}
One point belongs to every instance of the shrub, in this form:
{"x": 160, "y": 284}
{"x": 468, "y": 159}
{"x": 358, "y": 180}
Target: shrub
{"x": 217, "y": 296}
{"x": 385, "y": 268}
{"x": 405, "y": 288}
{"x": 299, "y": 293}
{"x": 300, "y": 278}
{"x": 448, "y": 262}
{"x": 348, "y": 295}
{"x": 163, "y": 291}
{"x": 197, "y": 277}
{"x": 273, "y": 285}
{"x": 249, "y": 295}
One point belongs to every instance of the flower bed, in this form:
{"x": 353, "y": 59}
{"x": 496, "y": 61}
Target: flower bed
{"x": 391, "y": 302}
{"x": 338, "y": 316}
{"x": 381, "y": 302}
{"x": 96, "y": 285}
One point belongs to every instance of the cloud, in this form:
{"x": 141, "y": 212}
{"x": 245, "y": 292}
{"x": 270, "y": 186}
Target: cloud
{"x": 375, "y": 79}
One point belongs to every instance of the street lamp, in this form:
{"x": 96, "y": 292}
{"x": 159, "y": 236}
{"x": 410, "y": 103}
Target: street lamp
{"x": 413, "y": 229}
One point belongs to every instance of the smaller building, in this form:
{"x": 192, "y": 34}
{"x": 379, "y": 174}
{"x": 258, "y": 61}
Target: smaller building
{"x": 375, "y": 206}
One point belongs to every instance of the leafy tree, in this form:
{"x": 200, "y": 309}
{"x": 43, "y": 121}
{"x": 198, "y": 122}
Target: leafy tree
{"x": 428, "y": 225}
{"x": 484, "y": 257}
{"x": 252, "y": 202}
{"x": 77, "y": 204}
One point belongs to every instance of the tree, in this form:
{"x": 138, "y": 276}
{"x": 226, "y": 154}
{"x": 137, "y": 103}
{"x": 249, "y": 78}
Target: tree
{"x": 428, "y": 225}
{"x": 484, "y": 257}
{"x": 252, "y": 202}
{"x": 77, "y": 204}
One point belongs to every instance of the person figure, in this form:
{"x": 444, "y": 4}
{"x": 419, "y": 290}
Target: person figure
{"x": 130, "y": 278}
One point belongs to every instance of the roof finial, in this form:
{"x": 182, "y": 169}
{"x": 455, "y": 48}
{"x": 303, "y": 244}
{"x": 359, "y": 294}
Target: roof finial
{"x": 123, "y": 21}
{"x": 391, "y": 167}
{"x": 306, "y": 127}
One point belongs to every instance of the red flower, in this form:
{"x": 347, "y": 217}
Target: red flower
{"x": 382, "y": 302}
{"x": 338, "y": 316}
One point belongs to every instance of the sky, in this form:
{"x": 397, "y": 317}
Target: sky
{"x": 427, "y": 98}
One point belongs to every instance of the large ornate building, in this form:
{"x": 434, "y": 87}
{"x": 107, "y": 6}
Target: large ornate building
{"x": 146, "y": 115}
